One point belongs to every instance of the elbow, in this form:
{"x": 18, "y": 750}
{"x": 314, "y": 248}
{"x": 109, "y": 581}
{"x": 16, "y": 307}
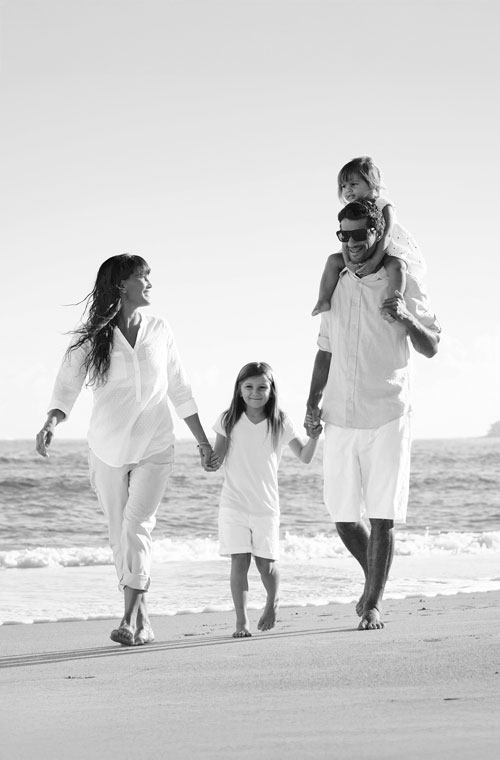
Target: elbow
{"x": 434, "y": 346}
{"x": 433, "y": 351}
{"x": 430, "y": 349}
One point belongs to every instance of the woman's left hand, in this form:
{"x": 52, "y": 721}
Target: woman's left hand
{"x": 209, "y": 459}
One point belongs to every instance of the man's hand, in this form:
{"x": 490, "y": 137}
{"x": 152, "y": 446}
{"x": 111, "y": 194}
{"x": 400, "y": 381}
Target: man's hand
{"x": 312, "y": 422}
{"x": 424, "y": 339}
{"x": 395, "y": 307}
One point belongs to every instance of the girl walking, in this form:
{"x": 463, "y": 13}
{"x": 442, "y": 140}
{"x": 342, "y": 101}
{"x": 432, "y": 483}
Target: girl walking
{"x": 131, "y": 362}
{"x": 251, "y": 435}
{"x": 361, "y": 179}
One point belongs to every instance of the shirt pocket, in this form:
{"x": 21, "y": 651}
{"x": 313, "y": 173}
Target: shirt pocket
{"x": 117, "y": 367}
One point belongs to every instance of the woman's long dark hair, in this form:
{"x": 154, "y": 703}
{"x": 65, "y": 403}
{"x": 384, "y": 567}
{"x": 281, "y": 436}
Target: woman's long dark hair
{"x": 275, "y": 417}
{"x": 103, "y": 305}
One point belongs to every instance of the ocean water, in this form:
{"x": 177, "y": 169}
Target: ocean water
{"x": 55, "y": 563}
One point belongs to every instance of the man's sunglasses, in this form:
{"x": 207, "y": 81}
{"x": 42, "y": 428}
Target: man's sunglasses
{"x": 358, "y": 235}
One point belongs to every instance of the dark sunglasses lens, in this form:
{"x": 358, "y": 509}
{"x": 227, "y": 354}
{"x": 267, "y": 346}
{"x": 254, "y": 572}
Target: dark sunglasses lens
{"x": 357, "y": 235}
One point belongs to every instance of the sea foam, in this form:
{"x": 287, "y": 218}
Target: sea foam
{"x": 294, "y": 547}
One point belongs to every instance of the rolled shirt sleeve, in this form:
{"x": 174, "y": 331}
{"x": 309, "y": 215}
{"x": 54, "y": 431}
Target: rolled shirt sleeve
{"x": 418, "y": 303}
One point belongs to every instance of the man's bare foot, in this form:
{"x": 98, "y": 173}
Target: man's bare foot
{"x": 320, "y": 306}
{"x": 370, "y": 620}
{"x": 268, "y": 617}
{"x": 360, "y": 605}
{"x": 242, "y": 631}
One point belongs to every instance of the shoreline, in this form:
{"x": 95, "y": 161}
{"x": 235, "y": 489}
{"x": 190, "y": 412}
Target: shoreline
{"x": 97, "y": 591}
{"x": 428, "y": 685}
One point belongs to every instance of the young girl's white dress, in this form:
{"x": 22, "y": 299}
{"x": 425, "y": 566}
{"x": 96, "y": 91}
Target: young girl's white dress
{"x": 403, "y": 245}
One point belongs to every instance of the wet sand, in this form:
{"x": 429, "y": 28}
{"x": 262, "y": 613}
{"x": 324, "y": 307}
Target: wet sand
{"x": 427, "y": 686}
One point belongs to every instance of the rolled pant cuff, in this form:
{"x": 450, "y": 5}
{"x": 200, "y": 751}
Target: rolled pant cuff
{"x": 139, "y": 582}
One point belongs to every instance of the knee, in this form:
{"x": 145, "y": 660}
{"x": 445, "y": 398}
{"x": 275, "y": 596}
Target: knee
{"x": 240, "y": 561}
{"x": 265, "y": 566}
{"x": 345, "y": 528}
{"x": 379, "y": 525}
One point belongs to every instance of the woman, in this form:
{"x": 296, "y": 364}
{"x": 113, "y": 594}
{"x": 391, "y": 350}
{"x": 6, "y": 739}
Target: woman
{"x": 130, "y": 360}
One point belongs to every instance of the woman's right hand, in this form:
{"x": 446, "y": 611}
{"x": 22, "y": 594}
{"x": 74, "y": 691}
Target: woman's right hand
{"x": 44, "y": 439}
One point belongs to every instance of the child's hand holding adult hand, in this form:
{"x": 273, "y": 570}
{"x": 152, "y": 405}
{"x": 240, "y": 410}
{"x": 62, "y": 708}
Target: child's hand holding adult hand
{"x": 209, "y": 459}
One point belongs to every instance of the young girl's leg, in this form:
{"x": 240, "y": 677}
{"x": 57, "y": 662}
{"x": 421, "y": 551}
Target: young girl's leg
{"x": 269, "y": 572}
{"x": 239, "y": 590}
{"x": 396, "y": 271}
{"x": 333, "y": 267}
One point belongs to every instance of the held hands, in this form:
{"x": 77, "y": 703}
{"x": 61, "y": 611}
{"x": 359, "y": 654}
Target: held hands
{"x": 394, "y": 308}
{"x": 312, "y": 422}
{"x": 209, "y": 459}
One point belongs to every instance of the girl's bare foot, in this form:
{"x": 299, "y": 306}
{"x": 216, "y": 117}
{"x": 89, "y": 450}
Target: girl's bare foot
{"x": 124, "y": 635}
{"x": 144, "y": 634}
{"x": 268, "y": 617}
{"x": 320, "y": 306}
{"x": 242, "y": 631}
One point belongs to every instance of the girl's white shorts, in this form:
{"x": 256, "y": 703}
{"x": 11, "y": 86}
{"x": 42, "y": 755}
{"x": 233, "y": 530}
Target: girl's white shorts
{"x": 241, "y": 533}
{"x": 367, "y": 471}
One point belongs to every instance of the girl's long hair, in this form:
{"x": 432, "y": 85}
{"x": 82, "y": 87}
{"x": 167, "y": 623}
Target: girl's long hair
{"x": 102, "y": 307}
{"x": 275, "y": 417}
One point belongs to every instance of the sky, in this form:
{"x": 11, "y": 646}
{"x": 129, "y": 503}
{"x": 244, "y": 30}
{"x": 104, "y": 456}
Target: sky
{"x": 207, "y": 136}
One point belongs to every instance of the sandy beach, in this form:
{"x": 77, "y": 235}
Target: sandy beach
{"x": 428, "y": 686}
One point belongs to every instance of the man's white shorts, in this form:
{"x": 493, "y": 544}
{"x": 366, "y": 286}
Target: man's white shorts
{"x": 367, "y": 471}
{"x": 241, "y": 533}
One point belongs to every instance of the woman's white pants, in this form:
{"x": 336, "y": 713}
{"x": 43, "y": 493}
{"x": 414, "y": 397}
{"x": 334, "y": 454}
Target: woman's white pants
{"x": 129, "y": 497}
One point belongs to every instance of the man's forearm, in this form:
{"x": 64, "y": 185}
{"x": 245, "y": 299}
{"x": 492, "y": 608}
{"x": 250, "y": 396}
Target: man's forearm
{"x": 319, "y": 378}
{"x": 423, "y": 340}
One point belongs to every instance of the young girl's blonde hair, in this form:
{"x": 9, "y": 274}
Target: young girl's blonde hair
{"x": 367, "y": 170}
{"x": 275, "y": 417}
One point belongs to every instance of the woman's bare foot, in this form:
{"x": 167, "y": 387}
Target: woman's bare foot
{"x": 268, "y": 617}
{"x": 370, "y": 620}
{"x": 242, "y": 630}
{"x": 144, "y": 630}
{"x": 320, "y": 306}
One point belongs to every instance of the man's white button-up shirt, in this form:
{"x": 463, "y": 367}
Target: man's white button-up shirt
{"x": 369, "y": 378}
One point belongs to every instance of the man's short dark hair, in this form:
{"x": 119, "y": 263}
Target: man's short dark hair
{"x": 364, "y": 209}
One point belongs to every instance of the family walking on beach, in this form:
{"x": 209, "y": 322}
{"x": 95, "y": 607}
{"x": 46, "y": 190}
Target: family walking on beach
{"x": 372, "y": 305}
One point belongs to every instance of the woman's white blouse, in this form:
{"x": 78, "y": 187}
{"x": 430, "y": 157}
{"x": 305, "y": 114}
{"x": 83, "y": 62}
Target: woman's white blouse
{"x": 130, "y": 416}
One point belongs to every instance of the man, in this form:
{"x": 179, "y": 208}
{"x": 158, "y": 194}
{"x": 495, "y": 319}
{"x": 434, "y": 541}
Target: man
{"x": 362, "y": 367}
